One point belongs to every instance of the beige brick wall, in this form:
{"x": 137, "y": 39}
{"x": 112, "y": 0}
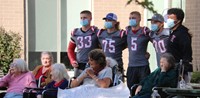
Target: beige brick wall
{"x": 12, "y": 16}
{"x": 102, "y": 7}
{"x": 192, "y": 21}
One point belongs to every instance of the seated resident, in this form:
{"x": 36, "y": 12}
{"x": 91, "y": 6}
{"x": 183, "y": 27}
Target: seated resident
{"x": 164, "y": 76}
{"x": 17, "y": 79}
{"x": 60, "y": 79}
{"x": 44, "y": 69}
{"x": 98, "y": 73}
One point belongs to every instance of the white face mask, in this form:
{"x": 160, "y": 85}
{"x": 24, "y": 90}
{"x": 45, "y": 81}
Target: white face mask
{"x": 170, "y": 23}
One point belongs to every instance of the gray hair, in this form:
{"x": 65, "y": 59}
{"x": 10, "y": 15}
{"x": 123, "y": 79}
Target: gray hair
{"x": 59, "y": 70}
{"x": 48, "y": 53}
{"x": 170, "y": 59}
{"x": 111, "y": 62}
{"x": 20, "y": 64}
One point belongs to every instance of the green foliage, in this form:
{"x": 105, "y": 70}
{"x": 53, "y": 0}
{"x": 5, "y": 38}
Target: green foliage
{"x": 10, "y": 48}
{"x": 145, "y": 4}
{"x": 195, "y": 77}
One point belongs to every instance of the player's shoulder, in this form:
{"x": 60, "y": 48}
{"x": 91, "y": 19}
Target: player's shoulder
{"x": 122, "y": 33}
{"x": 100, "y": 31}
{"x": 74, "y": 31}
{"x": 145, "y": 30}
{"x": 166, "y": 31}
{"x": 128, "y": 28}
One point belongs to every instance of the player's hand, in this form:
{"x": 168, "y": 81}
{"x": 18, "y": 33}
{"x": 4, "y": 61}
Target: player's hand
{"x": 11, "y": 71}
{"x": 164, "y": 67}
{"x": 75, "y": 64}
{"x": 147, "y": 55}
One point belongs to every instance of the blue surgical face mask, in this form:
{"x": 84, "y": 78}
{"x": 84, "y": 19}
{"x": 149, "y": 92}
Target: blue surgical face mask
{"x": 170, "y": 23}
{"x": 154, "y": 27}
{"x": 133, "y": 22}
{"x": 108, "y": 25}
{"x": 84, "y": 22}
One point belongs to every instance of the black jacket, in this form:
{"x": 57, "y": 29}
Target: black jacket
{"x": 180, "y": 45}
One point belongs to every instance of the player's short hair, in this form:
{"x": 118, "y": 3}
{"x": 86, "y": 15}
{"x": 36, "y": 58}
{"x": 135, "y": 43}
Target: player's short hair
{"x": 86, "y": 12}
{"x": 136, "y": 13}
{"x": 178, "y": 12}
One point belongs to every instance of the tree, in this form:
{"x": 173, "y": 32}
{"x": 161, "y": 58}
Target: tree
{"x": 145, "y": 4}
{"x": 9, "y": 48}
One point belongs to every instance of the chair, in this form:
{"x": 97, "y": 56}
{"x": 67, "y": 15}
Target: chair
{"x": 161, "y": 90}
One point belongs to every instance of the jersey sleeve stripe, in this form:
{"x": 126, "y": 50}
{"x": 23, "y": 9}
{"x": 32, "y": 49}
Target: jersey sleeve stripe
{"x": 99, "y": 32}
{"x": 121, "y": 33}
{"x": 92, "y": 28}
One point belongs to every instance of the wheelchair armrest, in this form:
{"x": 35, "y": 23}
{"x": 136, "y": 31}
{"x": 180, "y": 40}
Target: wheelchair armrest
{"x": 49, "y": 90}
{"x": 161, "y": 91}
{"x": 30, "y": 90}
{"x": 159, "y": 88}
{"x": 3, "y": 88}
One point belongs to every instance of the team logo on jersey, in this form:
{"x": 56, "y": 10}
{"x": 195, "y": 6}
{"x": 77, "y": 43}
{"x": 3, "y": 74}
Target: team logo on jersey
{"x": 173, "y": 37}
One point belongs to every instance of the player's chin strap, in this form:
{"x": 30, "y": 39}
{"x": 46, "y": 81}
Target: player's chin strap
{"x": 71, "y": 53}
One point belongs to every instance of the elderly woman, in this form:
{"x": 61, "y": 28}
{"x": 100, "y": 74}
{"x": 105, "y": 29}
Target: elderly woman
{"x": 164, "y": 76}
{"x": 44, "y": 69}
{"x": 60, "y": 79}
{"x": 17, "y": 79}
{"x": 98, "y": 73}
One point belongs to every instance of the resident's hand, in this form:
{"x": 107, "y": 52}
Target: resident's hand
{"x": 138, "y": 89}
{"x": 75, "y": 64}
{"x": 11, "y": 71}
{"x": 90, "y": 72}
{"x": 164, "y": 67}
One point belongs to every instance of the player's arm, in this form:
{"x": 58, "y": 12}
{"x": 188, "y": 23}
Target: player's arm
{"x": 71, "y": 53}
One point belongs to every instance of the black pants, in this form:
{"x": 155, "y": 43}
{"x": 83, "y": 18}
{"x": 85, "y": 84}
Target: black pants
{"x": 79, "y": 69}
{"x": 136, "y": 74}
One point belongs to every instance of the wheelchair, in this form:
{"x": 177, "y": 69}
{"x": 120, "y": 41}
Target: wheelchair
{"x": 179, "y": 67}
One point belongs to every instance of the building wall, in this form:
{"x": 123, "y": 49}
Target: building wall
{"x": 192, "y": 21}
{"x": 102, "y": 7}
{"x": 12, "y": 17}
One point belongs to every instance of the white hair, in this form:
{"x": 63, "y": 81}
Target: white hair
{"x": 111, "y": 62}
{"x": 60, "y": 71}
{"x": 50, "y": 55}
{"x": 20, "y": 64}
